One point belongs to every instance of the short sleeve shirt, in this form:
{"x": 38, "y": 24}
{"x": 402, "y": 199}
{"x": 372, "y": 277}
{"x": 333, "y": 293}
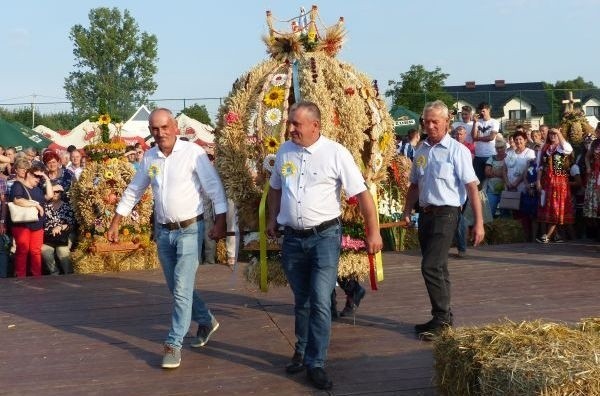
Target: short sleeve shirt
{"x": 485, "y": 128}
{"x": 19, "y": 190}
{"x": 441, "y": 172}
{"x": 311, "y": 179}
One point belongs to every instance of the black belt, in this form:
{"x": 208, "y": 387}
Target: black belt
{"x": 182, "y": 224}
{"x": 438, "y": 209}
{"x": 310, "y": 231}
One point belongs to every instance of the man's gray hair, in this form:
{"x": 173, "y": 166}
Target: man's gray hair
{"x": 311, "y": 108}
{"x": 437, "y": 105}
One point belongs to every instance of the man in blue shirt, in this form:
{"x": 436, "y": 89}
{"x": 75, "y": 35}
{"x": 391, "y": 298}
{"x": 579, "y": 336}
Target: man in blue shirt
{"x": 441, "y": 177}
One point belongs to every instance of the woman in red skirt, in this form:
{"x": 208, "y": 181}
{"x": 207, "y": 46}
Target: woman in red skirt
{"x": 553, "y": 183}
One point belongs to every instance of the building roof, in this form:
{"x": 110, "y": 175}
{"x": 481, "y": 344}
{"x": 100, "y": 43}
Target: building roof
{"x": 586, "y": 94}
{"x": 500, "y": 93}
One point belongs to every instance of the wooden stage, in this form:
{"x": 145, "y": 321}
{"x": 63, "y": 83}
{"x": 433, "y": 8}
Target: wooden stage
{"x": 102, "y": 334}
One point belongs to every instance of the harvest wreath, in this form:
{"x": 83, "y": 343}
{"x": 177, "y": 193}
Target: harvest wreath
{"x": 94, "y": 198}
{"x": 252, "y": 125}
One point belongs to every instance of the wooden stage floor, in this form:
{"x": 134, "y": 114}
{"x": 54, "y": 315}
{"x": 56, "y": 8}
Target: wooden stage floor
{"x": 101, "y": 334}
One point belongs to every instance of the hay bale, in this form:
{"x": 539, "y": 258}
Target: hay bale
{"x": 400, "y": 239}
{"x": 501, "y": 231}
{"x": 275, "y": 274}
{"x": 527, "y": 358}
{"x": 85, "y": 262}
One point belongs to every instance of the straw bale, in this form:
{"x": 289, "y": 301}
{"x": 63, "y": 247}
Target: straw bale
{"x": 527, "y": 358}
{"x": 502, "y": 231}
{"x": 88, "y": 263}
{"x": 275, "y": 274}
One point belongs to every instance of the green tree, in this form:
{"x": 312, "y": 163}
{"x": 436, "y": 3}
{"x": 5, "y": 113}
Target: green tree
{"x": 418, "y": 86}
{"x": 60, "y": 120}
{"x": 115, "y": 64}
{"x": 198, "y": 112}
{"x": 559, "y": 91}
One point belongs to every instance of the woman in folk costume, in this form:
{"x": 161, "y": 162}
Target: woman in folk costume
{"x": 553, "y": 183}
{"x": 591, "y": 205}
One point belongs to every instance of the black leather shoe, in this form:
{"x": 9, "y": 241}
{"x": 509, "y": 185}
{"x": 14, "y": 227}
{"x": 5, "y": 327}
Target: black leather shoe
{"x": 349, "y": 310}
{"x": 296, "y": 365}
{"x": 431, "y": 328}
{"x": 318, "y": 377}
{"x": 359, "y": 294}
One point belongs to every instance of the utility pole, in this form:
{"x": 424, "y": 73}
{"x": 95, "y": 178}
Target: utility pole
{"x": 33, "y": 110}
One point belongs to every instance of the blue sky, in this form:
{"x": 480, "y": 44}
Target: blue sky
{"x": 204, "y": 46}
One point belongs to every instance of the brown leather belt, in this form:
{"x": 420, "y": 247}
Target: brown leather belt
{"x": 182, "y": 224}
{"x": 310, "y": 231}
{"x": 438, "y": 209}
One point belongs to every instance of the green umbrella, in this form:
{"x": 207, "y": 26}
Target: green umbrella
{"x": 12, "y": 136}
{"x": 404, "y": 120}
{"x": 39, "y": 141}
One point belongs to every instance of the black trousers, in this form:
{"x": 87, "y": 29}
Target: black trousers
{"x": 436, "y": 230}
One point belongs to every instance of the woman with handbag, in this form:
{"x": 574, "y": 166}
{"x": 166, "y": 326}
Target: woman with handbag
{"x": 28, "y": 232}
{"x": 58, "y": 225}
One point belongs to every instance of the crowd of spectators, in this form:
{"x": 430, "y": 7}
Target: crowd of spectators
{"x": 43, "y": 180}
{"x": 559, "y": 185}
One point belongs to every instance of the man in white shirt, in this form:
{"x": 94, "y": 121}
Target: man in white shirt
{"x": 484, "y": 132}
{"x": 441, "y": 178}
{"x": 177, "y": 171}
{"x": 466, "y": 122}
{"x": 304, "y": 197}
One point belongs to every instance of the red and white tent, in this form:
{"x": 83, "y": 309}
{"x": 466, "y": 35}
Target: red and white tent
{"x": 195, "y": 131}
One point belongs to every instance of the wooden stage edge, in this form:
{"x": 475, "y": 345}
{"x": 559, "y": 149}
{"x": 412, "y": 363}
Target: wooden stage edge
{"x": 101, "y": 334}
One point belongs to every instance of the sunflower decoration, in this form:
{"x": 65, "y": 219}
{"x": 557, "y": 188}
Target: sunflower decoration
{"x": 153, "y": 171}
{"x": 271, "y": 145}
{"x": 288, "y": 169}
{"x": 275, "y": 97}
{"x": 104, "y": 119}
{"x": 302, "y": 65}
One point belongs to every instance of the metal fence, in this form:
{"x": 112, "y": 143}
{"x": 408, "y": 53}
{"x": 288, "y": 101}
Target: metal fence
{"x": 547, "y": 103}
{"x": 522, "y": 105}
{"x": 41, "y": 105}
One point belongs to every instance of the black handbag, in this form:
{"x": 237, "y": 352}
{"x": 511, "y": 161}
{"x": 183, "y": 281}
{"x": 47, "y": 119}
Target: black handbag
{"x": 61, "y": 239}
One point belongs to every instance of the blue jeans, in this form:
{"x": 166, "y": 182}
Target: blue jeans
{"x": 178, "y": 255}
{"x": 310, "y": 264}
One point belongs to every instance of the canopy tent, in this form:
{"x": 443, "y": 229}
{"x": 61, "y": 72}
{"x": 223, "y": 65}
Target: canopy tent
{"x": 135, "y": 129}
{"x": 195, "y": 131}
{"x": 404, "y": 120}
{"x": 80, "y": 136}
{"x": 46, "y": 132}
{"x": 34, "y": 135}
{"x": 11, "y": 136}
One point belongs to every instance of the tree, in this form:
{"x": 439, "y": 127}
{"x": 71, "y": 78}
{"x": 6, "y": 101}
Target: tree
{"x": 115, "y": 64}
{"x": 559, "y": 91}
{"x": 198, "y": 112}
{"x": 417, "y": 87}
{"x": 54, "y": 121}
